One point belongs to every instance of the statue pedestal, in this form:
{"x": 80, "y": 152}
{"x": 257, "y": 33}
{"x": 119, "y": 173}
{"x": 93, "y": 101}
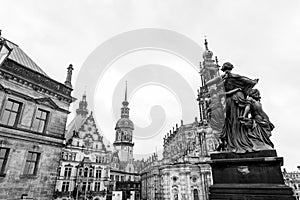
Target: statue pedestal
{"x": 249, "y": 176}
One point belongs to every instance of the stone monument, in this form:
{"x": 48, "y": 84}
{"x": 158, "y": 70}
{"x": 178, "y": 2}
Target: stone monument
{"x": 246, "y": 166}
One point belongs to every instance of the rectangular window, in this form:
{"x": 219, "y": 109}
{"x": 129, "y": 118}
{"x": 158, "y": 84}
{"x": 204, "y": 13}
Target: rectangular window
{"x": 85, "y": 173}
{"x": 83, "y": 186}
{"x": 97, "y": 186}
{"x": 122, "y": 178}
{"x": 98, "y": 159}
{"x": 117, "y": 178}
{"x": 112, "y": 177}
{"x": 98, "y": 173}
{"x": 11, "y": 113}
{"x": 31, "y": 163}
{"x": 68, "y": 171}
{"x": 86, "y": 186}
{"x": 3, "y": 159}
{"x": 65, "y": 186}
{"x": 40, "y": 121}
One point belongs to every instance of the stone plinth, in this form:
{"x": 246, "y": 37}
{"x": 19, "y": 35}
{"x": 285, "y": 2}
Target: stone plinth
{"x": 249, "y": 176}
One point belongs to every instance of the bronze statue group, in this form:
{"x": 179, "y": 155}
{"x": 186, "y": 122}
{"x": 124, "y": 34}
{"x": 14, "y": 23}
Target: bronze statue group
{"x": 245, "y": 126}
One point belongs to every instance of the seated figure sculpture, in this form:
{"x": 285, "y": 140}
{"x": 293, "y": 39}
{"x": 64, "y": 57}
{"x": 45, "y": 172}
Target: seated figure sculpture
{"x": 258, "y": 125}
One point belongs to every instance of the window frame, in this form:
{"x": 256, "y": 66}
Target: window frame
{"x": 18, "y": 116}
{"x": 65, "y": 186}
{"x": 40, "y": 119}
{"x": 97, "y": 186}
{"x": 67, "y": 172}
{"x": 36, "y": 163}
{"x": 5, "y": 160}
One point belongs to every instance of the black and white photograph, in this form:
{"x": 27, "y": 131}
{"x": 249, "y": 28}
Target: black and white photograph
{"x": 149, "y": 100}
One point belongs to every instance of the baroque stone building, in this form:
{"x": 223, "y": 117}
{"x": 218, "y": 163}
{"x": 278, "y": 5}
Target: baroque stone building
{"x": 292, "y": 179}
{"x": 33, "y": 115}
{"x": 183, "y": 172}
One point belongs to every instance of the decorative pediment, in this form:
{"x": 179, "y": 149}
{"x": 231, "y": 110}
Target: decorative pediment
{"x": 47, "y": 102}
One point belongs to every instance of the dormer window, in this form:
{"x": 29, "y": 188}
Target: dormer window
{"x": 40, "y": 121}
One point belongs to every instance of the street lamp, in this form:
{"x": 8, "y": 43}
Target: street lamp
{"x": 4, "y": 49}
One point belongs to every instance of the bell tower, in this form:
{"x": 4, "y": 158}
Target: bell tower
{"x": 124, "y": 129}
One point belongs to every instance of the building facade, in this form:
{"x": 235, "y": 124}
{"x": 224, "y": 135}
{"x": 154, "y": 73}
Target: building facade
{"x": 85, "y": 161}
{"x": 89, "y": 169}
{"x": 292, "y": 179}
{"x": 33, "y": 116}
{"x": 183, "y": 172}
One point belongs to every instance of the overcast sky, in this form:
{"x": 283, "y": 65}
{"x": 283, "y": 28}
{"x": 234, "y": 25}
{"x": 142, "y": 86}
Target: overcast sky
{"x": 261, "y": 39}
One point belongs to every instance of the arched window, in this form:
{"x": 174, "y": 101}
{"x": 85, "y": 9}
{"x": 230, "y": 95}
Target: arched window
{"x": 195, "y": 193}
{"x": 91, "y": 172}
{"x": 85, "y": 173}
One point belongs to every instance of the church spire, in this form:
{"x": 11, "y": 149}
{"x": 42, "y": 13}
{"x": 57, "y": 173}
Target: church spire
{"x": 125, "y": 103}
{"x": 126, "y": 92}
{"x": 206, "y": 44}
{"x": 82, "y": 109}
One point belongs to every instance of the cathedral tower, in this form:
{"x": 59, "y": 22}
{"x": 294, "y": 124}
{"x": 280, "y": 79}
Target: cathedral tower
{"x": 124, "y": 128}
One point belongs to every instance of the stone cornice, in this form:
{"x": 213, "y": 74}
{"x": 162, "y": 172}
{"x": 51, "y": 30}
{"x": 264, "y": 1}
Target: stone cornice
{"x": 12, "y": 70}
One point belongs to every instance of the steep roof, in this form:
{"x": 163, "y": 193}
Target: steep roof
{"x": 19, "y": 56}
{"x": 75, "y": 124}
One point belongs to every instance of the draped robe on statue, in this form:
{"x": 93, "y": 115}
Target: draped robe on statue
{"x": 234, "y": 134}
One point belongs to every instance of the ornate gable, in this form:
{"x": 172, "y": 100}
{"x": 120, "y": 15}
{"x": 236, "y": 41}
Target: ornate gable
{"x": 88, "y": 135}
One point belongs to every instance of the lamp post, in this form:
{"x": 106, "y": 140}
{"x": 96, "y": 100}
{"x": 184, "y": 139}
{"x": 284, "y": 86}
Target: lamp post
{"x": 4, "y": 49}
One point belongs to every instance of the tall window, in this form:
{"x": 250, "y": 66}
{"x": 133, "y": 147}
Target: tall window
{"x": 68, "y": 171}
{"x": 85, "y": 173}
{"x": 58, "y": 171}
{"x": 31, "y": 163}
{"x": 98, "y": 159}
{"x": 98, "y": 173}
{"x": 80, "y": 172}
{"x": 86, "y": 186}
{"x": 39, "y": 124}
{"x": 3, "y": 159}
{"x": 11, "y": 112}
{"x": 91, "y": 174}
{"x": 65, "y": 186}
{"x": 97, "y": 186}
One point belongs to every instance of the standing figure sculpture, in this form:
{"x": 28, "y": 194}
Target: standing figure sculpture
{"x": 234, "y": 135}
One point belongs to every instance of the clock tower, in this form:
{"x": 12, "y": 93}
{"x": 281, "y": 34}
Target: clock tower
{"x": 124, "y": 128}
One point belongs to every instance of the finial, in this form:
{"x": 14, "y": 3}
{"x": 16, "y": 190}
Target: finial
{"x": 205, "y": 43}
{"x": 217, "y": 61}
{"x": 0, "y": 32}
{"x": 181, "y": 122}
{"x": 126, "y": 92}
{"x": 196, "y": 119}
{"x": 176, "y": 126}
{"x": 69, "y": 76}
{"x": 84, "y": 92}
